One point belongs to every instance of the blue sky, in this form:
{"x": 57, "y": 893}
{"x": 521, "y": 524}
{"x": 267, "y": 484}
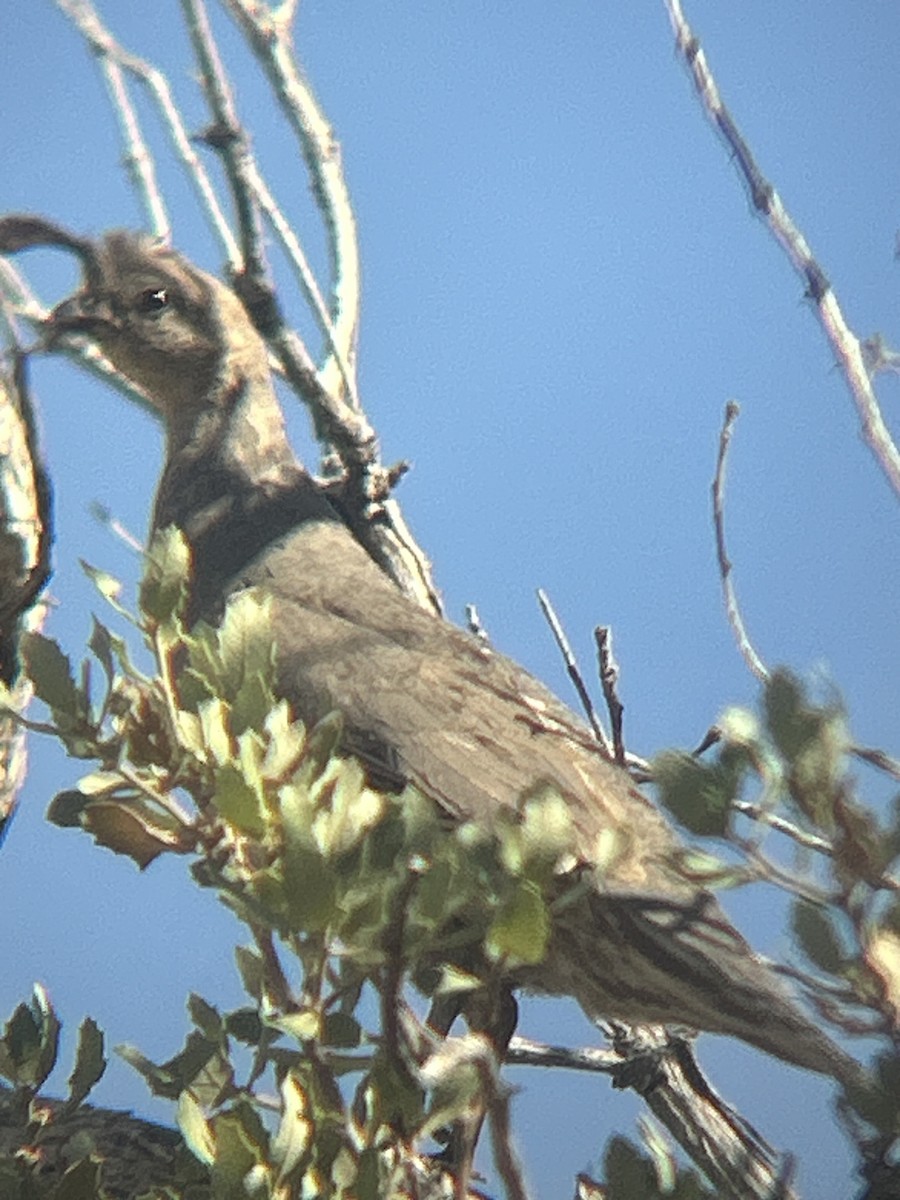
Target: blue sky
{"x": 563, "y": 285}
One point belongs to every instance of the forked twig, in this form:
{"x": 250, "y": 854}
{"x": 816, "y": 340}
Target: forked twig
{"x": 766, "y": 200}
{"x": 574, "y": 672}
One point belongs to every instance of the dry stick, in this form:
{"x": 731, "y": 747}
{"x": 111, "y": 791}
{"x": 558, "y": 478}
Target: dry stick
{"x": 735, "y": 620}
{"x": 269, "y": 35}
{"x": 662, "y": 1070}
{"x": 766, "y": 200}
{"x": 138, "y": 159}
{"x": 757, "y": 812}
{"x": 390, "y": 543}
{"x": 574, "y": 672}
{"x": 251, "y": 192}
{"x": 228, "y": 137}
{"x": 364, "y": 496}
{"x": 103, "y": 44}
{"x": 506, "y": 1159}
{"x": 609, "y": 678}
{"x": 878, "y": 759}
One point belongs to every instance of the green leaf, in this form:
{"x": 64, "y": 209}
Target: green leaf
{"x": 99, "y": 783}
{"x": 200, "y": 1066}
{"x": 240, "y": 1146}
{"x": 90, "y": 1062}
{"x": 164, "y": 588}
{"x": 286, "y": 742}
{"x": 66, "y": 808}
{"x": 238, "y": 801}
{"x": 353, "y": 810}
{"x": 548, "y": 831}
{"x": 247, "y": 657}
{"x": 699, "y": 794}
{"x": 51, "y": 673}
{"x": 818, "y": 938}
{"x": 189, "y": 733}
{"x": 206, "y": 1017}
{"x": 341, "y": 1030}
{"x": 195, "y": 1128}
{"x": 310, "y": 889}
{"x": 813, "y": 740}
{"x": 294, "y": 1132}
{"x": 107, "y": 585}
{"x": 245, "y": 1025}
{"x": 213, "y": 714}
{"x": 252, "y": 971}
{"x": 101, "y": 646}
{"x": 305, "y": 1025}
{"x": 322, "y": 743}
{"x": 520, "y": 929}
{"x": 160, "y": 1080}
{"x": 628, "y": 1174}
{"x": 30, "y": 1042}
{"x": 454, "y": 981}
{"x": 80, "y": 1181}
{"x": 712, "y": 872}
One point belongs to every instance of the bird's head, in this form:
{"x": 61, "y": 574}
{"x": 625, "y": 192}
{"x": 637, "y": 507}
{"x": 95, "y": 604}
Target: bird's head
{"x": 176, "y": 332}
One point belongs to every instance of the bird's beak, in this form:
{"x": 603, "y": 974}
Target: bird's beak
{"x": 82, "y": 313}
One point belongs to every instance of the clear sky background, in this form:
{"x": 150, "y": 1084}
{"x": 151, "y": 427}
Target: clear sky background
{"x": 563, "y": 285}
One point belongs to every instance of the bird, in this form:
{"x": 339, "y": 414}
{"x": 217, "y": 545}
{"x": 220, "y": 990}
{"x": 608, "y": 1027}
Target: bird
{"x": 423, "y": 701}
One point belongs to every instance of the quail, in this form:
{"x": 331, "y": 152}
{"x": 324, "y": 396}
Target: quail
{"x": 422, "y": 700}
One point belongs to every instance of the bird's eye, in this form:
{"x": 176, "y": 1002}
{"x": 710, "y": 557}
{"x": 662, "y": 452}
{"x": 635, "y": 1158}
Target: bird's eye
{"x": 152, "y": 301}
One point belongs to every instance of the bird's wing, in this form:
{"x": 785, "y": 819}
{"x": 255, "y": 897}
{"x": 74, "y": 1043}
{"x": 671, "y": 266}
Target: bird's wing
{"x": 465, "y": 724}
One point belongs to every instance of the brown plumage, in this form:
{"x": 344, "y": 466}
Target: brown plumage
{"x": 421, "y": 698}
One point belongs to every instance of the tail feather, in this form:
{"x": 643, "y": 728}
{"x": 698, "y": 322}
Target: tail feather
{"x": 643, "y": 959}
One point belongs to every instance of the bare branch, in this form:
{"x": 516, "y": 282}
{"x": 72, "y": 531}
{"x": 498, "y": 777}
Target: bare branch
{"x": 810, "y": 841}
{"x": 105, "y": 46}
{"x": 138, "y": 158}
{"x": 661, "y": 1068}
{"x": 269, "y": 34}
{"x": 878, "y": 759}
{"x": 609, "y": 678}
{"x": 765, "y": 200}
{"x": 574, "y": 672}
{"x": 735, "y": 620}
{"x": 227, "y": 136}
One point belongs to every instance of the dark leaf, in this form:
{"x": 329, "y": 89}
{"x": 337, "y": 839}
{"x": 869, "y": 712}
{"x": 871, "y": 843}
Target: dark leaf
{"x": 818, "y": 938}
{"x": 51, "y": 673}
{"x": 128, "y": 827}
{"x": 90, "y": 1062}
{"x": 697, "y": 794}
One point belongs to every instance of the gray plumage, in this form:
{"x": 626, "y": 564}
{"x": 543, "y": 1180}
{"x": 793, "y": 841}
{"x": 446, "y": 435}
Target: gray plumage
{"x": 422, "y": 700}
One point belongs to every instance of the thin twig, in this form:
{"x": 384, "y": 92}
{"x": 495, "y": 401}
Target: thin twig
{"x": 270, "y": 38}
{"x": 609, "y": 678}
{"x": 87, "y": 21}
{"x": 506, "y": 1159}
{"x": 765, "y": 200}
{"x": 735, "y": 619}
{"x": 756, "y": 812}
{"x": 524, "y": 1052}
{"x": 475, "y": 626}
{"x": 878, "y": 759}
{"x": 368, "y": 507}
{"x": 228, "y": 137}
{"x": 574, "y": 672}
{"x": 138, "y": 158}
